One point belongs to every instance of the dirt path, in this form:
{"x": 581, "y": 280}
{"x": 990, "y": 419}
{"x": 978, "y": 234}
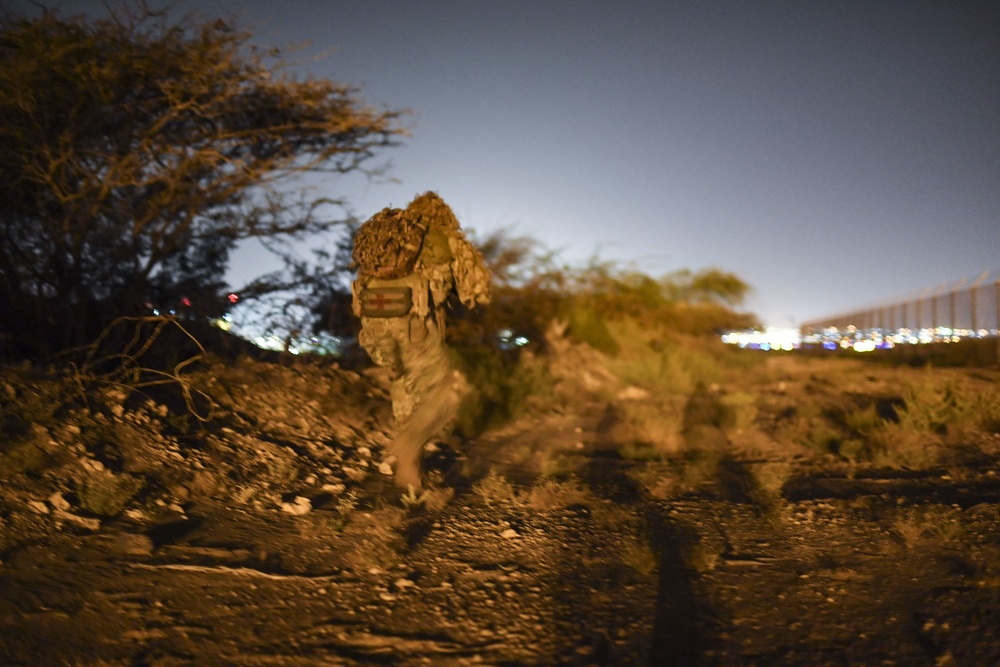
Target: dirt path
{"x": 882, "y": 571}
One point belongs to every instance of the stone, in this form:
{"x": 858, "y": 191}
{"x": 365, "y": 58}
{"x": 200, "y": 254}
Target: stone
{"x": 300, "y": 506}
{"x": 82, "y": 521}
{"x": 403, "y": 583}
{"x": 134, "y": 544}
{"x": 38, "y": 506}
{"x": 58, "y": 502}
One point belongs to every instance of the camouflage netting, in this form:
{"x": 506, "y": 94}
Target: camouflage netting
{"x": 387, "y": 245}
{"x": 432, "y": 211}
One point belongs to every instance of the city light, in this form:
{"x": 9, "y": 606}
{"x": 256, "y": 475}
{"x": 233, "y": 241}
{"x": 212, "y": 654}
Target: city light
{"x": 850, "y": 338}
{"x": 773, "y": 338}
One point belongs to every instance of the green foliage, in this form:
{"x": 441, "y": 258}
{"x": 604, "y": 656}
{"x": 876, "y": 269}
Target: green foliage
{"x": 504, "y": 386}
{"x": 587, "y": 325}
{"x": 863, "y": 421}
{"x": 701, "y": 319}
{"x": 654, "y": 357}
{"x": 938, "y": 406}
{"x": 707, "y": 286}
{"x": 898, "y": 446}
{"x": 136, "y": 151}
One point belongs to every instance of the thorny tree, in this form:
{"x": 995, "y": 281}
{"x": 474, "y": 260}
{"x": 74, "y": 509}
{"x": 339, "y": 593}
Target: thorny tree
{"x": 136, "y": 151}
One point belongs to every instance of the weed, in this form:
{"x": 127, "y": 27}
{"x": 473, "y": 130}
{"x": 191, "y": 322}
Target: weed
{"x": 589, "y": 326}
{"x": 550, "y": 493}
{"x": 680, "y": 476}
{"x": 863, "y": 420}
{"x": 902, "y": 446}
{"x": 769, "y": 480}
{"x": 504, "y": 387}
{"x": 347, "y": 503}
{"x": 494, "y": 488}
{"x": 655, "y": 482}
{"x": 654, "y": 358}
{"x": 319, "y": 524}
{"x": 912, "y": 526}
{"x": 852, "y": 449}
{"x": 822, "y": 437}
{"x": 325, "y": 523}
{"x": 937, "y": 407}
{"x": 699, "y": 556}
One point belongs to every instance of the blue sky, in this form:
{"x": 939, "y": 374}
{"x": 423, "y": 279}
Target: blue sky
{"x": 831, "y": 154}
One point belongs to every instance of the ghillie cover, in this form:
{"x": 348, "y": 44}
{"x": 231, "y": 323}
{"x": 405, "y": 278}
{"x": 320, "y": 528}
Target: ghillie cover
{"x": 387, "y": 245}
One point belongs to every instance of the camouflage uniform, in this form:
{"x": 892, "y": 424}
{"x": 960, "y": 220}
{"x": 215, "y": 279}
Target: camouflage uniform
{"x": 409, "y": 261}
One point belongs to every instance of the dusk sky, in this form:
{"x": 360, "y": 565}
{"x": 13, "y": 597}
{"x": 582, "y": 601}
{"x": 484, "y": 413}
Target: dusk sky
{"x": 831, "y": 154}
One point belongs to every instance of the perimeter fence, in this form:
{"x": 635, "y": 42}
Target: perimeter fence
{"x": 968, "y": 307}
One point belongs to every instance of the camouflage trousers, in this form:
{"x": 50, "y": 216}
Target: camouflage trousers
{"x": 426, "y": 390}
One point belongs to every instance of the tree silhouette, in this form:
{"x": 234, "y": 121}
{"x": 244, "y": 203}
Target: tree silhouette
{"x": 136, "y": 151}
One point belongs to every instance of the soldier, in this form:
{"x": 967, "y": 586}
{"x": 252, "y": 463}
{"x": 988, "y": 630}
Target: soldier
{"x": 409, "y": 261}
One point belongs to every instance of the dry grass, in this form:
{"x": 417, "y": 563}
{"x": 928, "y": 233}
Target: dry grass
{"x": 494, "y": 488}
{"x": 915, "y": 526}
{"x": 549, "y": 493}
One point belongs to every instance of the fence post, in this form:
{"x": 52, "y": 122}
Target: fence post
{"x": 951, "y": 309}
{"x": 973, "y": 296}
{"x": 972, "y": 302}
{"x": 996, "y": 297}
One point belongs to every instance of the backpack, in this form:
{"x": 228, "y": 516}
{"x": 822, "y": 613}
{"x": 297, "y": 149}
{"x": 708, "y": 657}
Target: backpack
{"x": 387, "y": 245}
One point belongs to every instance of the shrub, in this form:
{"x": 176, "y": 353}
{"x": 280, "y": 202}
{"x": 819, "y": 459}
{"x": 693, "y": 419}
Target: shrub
{"x": 494, "y": 488}
{"x": 769, "y": 480}
{"x": 902, "y": 446}
{"x": 588, "y": 325}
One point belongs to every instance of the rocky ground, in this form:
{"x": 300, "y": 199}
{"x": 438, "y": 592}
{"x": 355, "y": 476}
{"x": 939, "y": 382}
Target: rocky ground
{"x": 270, "y": 535}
